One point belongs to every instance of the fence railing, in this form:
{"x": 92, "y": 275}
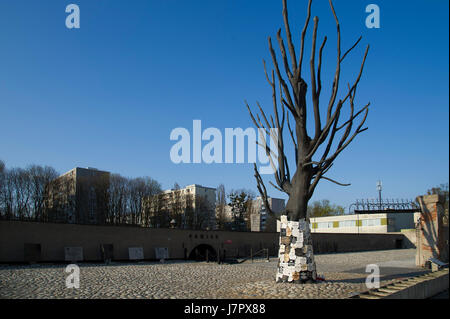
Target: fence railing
{"x": 263, "y": 253}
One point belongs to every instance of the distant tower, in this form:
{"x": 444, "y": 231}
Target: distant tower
{"x": 379, "y": 187}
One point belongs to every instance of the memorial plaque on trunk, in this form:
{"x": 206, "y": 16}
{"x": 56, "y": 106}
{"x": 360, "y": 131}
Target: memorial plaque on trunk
{"x": 299, "y": 261}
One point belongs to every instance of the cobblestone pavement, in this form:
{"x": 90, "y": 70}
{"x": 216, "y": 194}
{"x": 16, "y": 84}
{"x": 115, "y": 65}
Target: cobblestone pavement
{"x": 190, "y": 280}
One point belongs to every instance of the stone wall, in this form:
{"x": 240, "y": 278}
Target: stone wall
{"x": 432, "y": 235}
{"x": 53, "y": 238}
{"x": 339, "y": 243}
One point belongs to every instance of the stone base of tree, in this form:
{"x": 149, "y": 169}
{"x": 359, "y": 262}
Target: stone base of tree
{"x": 295, "y": 257}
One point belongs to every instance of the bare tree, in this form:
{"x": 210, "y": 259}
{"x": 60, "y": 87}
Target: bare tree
{"x": 151, "y": 188}
{"x": 40, "y": 177}
{"x": 291, "y": 94}
{"x": 221, "y": 204}
{"x": 196, "y": 212}
{"x": 241, "y": 208}
{"x": 204, "y": 212}
{"x": 23, "y": 191}
{"x": 324, "y": 208}
{"x": 19, "y": 182}
{"x": 60, "y": 201}
{"x": 156, "y": 211}
{"x": 117, "y": 199}
{"x": 2, "y": 188}
{"x": 126, "y": 198}
{"x": 178, "y": 206}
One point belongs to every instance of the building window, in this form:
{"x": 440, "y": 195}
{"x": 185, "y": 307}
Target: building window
{"x": 371, "y": 222}
{"x": 325, "y": 225}
{"x": 347, "y": 223}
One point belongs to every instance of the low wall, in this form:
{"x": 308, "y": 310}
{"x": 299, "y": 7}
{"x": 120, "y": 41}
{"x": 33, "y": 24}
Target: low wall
{"x": 54, "y": 237}
{"x": 180, "y": 243}
{"x": 419, "y": 287}
{"x": 411, "y": 235}
{"x": 424, "y": 287}
{"x": 339, "y": 242}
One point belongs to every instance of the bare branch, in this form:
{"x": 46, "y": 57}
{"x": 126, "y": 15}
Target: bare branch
{"x": 276, "y": 187}
{"x": 302, "y": 41}
{"x": 342, "y": 146}
{"x": 265, "y": 72}
{"x": 331, "y": 121}
{"x": 289, "y": 37}
{"x": 329, "y": 179}
{"x": 315, "y": 97}
{"x": 348, "y": 51}
{"x": 293, "y": 95}
{"x": 354, "y": 116}
{"x": 293, "y": 141}
{"x": 267, "y": 149}
{"x": 319, "y": 68}
{"x": 290, "y": 104}
{"x": 262, "y": 190}
{"x": 335, "y": 86}
{"x": 283, "y": 54}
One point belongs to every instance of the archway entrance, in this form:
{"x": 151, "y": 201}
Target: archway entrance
{"x": 203, "y": 252}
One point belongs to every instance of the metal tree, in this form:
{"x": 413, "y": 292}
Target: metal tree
{"x": 293, "y": 97}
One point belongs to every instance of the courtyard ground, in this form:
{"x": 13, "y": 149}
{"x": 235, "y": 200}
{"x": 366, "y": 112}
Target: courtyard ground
{"x": 344, "y": 275}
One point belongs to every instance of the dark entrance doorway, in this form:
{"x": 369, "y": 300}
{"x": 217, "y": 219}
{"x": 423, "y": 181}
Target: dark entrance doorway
{"x": 203, "y": 252}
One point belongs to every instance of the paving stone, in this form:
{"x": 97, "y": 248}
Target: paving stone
{"x": 189, "y": 280}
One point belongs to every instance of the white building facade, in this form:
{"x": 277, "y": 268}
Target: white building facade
{"x": 194, "y": 204}
{"x": 259, "y": 217}
{"x": 364, "y": 223}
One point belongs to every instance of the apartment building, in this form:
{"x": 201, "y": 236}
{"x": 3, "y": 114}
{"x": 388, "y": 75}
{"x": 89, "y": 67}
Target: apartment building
{"x": 260, "y": 220}
{"x": 79, "y": 196}
{"x": 191, "y": 207}
{"x": 224, "y": 216}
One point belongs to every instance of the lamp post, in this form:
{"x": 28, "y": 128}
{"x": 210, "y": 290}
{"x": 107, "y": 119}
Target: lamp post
{"x": 379, "y": 187}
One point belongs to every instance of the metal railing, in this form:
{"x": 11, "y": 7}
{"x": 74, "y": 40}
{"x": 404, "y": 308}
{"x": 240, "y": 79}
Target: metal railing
{"x": 400, "y": 205}
{"x": 263, "y": 252}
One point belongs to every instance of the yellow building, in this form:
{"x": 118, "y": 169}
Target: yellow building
{"x": 364, "y": 223}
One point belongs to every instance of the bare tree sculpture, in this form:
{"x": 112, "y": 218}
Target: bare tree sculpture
{"x": 293, "y": 97}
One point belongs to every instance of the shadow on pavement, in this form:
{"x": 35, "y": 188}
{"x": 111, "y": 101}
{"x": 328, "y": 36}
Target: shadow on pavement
{"x": 386, "y": 273}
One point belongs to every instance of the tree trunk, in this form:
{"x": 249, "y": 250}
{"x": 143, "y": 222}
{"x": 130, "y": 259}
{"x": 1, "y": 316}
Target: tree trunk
{"x": 296, "y": 262}
{"x": 297, "y": 205}
{"x": 296, "y": 259}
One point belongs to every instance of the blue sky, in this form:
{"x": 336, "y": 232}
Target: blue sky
{"x": 108, "y": 95}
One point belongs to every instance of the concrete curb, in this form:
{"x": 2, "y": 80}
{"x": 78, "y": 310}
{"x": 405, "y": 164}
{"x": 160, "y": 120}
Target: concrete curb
{"x": 420, "y": 287}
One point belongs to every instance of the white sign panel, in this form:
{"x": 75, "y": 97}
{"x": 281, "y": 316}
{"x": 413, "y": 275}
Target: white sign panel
{"x": 162, "y": 252}
{"x": 73, "y": 253}
{"x": 136, "y": 253}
